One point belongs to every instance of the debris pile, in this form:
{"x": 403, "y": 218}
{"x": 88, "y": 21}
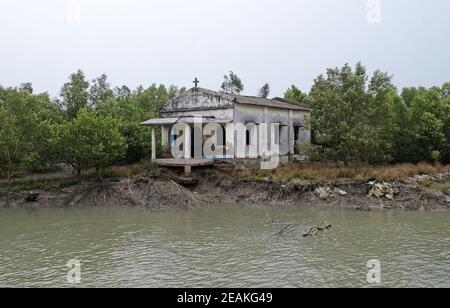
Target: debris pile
{"x": 302, "y": 185}
{"x": 325, "y": 193}
{"x": 380, "y": 190}
{"x": 155, "y": 194}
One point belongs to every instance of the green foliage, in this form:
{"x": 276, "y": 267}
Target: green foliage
{"x": 128, "y": 116}
{"x": 100, "y": 91}
{"x": 27, "y": 87}
{"x": 357, "y": 119}
{"x": 311, "y": 151}
{"x": 295, "y": 94}
{"x": 436, "y": 157}
{"x": 349, "y": 114}
{"x": 122, "y": 92}
{"x": 152, "y": 99}
{"x": 88, "y": 141}
{"x": 75, "y": 94}
{"x": 264, "y": 92}
{"x": 25, "y": 127}
{"x": 130, "y": 109}
{"x": 232, "y": 84}
{"x": 402, "y": 134}
{"x": 102, "y": 125}
{"x": 424, "y": 124}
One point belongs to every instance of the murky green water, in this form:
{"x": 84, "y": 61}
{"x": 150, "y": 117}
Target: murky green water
{"x": 228, "y": 246}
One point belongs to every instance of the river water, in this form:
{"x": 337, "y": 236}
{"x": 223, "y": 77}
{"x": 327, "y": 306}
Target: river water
{"x": 222, "y": 246}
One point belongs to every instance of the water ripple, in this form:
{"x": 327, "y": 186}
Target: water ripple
{"x": 222, "y": 247}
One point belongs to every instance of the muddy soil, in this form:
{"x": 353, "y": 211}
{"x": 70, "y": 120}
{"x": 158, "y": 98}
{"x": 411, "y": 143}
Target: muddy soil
{"x": 412, "y": 194}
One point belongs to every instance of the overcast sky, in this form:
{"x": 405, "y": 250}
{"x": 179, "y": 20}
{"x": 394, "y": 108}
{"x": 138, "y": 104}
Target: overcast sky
{"x": 282, "y": 42}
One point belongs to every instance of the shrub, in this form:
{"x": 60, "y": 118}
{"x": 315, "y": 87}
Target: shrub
{"x": 88, "y": 141}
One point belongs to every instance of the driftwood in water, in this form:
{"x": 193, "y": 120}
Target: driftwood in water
{"x": 284, "y": 230}
{"x": 315, "y": 230}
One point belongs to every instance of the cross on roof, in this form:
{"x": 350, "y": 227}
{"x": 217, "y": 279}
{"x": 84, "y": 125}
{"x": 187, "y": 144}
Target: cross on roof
{"x": 196, "y": 82}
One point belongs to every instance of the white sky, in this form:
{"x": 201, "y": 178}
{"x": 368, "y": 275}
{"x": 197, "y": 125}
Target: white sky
{"x": 282, "y": 42}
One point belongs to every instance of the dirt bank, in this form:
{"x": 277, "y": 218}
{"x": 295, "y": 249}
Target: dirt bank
{"x": 145, "y": 192}
{"x": 418, "y": 193}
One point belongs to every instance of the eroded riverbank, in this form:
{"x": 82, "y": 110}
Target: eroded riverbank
{"x": 425, "y": 192}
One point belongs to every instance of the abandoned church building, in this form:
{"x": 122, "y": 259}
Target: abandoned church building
{"x": 200, "y": 109}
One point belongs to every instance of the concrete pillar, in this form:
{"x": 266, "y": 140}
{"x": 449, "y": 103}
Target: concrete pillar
{"x": 165, "y": 136}
{"x": 187, "y": 142}
{"x": 187, "y": 171}
{"x": 268, "y": 134}
{"x": 153, "y": 144}
{"x": 231, "y": 140}
{"x": 291, "y": 135}
{"x": 165, "y": 147}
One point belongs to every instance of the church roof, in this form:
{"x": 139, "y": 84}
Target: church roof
{"x": 275, "y": 102}
{"x": 242, "y": 99}
{"x": 188, "y": 120}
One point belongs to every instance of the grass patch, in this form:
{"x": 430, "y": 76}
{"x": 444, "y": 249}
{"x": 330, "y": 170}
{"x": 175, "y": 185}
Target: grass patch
{"x": 317, "y": 172}
{"x": 60, "y": 180}
{"x": 335, "y": 171}
{"x": 444, "y": 187}
{"x": 42, "y": 184}
{"x": 140, "y": 169}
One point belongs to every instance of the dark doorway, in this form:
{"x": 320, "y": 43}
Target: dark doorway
{"x": 297, "y": 133}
